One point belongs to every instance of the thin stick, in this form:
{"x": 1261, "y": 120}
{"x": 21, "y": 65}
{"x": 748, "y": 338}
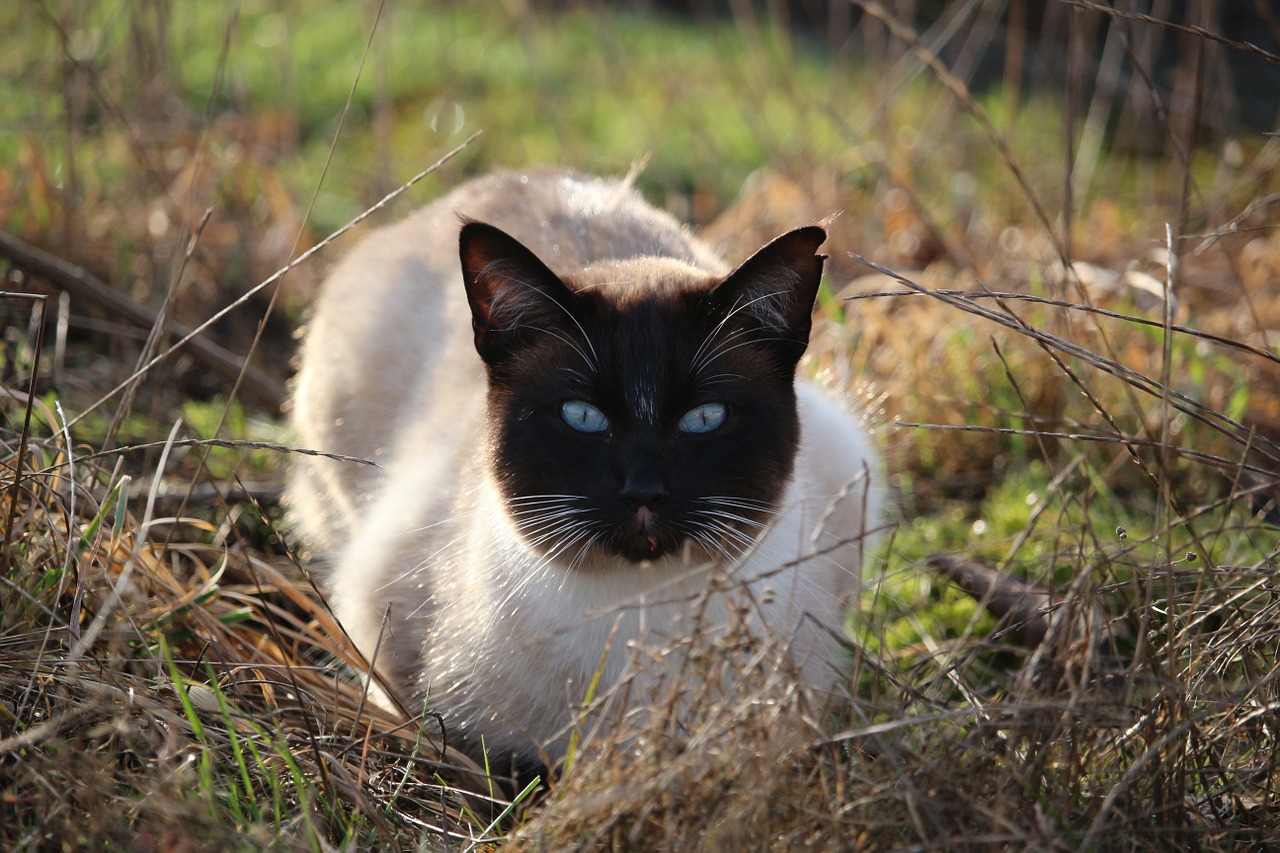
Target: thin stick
{"x": 1192, "y": 29}
{"x": 1008, "y": 295}
{"x": 280, "y": 273}
{"x": 14, "y": 492}
{"x": 85, "y": 285}
{"x": 218, "y": 442}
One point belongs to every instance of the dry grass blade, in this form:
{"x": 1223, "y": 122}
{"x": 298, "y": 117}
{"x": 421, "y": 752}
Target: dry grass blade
{"x": 961, "y": 92}
{"x": 1198, "y": 32}
{"x": 14, "y": 488}
{"x": 277, "y": 276}
{"x": 1011, "y": 296}
{"x": 82, "y": 284}
{"x": 218, "y": 662}
{"x": 1242, "y": 435}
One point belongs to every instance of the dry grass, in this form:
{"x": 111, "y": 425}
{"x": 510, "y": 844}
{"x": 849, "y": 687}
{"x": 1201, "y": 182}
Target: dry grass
{"x": 170, "y": 679}
{"x": 167, "y": 687}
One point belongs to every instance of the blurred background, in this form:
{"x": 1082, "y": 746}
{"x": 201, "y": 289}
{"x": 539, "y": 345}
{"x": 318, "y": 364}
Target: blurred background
{"x": 178, "y": 154}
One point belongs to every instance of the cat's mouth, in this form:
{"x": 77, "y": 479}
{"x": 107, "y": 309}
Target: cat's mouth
{"x": 645, "y": 524}
{"x": 645, "y": 538}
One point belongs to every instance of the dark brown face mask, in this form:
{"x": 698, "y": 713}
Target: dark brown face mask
{"x": 641, "y": 406}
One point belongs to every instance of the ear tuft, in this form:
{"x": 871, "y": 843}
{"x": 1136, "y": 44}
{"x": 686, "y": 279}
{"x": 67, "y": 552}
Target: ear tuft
{"x": 776, "y": 287}
{"x": 513, "y": 295}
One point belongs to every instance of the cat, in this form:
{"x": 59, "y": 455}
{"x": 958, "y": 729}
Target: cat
{"x": 580, "y": 417}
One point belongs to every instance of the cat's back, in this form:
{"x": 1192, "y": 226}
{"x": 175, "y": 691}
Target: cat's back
{"x": 570, "y": 220}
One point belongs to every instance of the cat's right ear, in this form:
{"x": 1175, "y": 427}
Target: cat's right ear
{"x": 513, "y": 295}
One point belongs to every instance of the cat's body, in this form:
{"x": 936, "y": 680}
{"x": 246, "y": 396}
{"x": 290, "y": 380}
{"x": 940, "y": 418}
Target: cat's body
{"x": 627, "y": 436}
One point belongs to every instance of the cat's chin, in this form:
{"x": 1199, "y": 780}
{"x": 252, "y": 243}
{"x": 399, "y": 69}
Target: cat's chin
{"x": 646, "y": 540}
{"x": 639, "y": 552}
{"x": 646, "y": 549}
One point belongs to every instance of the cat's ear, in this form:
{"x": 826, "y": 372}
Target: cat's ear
{"x": 513, "y": 295}
{"x": 775, "y": 288}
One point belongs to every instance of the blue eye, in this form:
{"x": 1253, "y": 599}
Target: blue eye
{"x": 583, "y": 417}
{"x": 704, "y": 418}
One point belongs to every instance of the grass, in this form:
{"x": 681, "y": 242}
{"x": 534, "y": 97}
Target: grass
{"x": 167, "y": 675}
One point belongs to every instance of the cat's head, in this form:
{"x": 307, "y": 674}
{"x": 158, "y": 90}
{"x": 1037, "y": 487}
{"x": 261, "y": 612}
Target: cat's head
{"x": 641, "y": 407}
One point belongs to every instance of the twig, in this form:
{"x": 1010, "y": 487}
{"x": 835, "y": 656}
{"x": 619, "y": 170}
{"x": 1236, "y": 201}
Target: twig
{"x": 1191, "y": 29}
{"x": 1233, "y": 227}
{"x": 1027, "y": 608}
{"x": 85, "y": 285}
{"x": 280, "y": 273}
{"x": 1008, "y": 296}
{"x": 1186, "y": 452}
{"x": 1229, "y": 427}
{"x": 960, "y": 91}
{"x": 19, "y": 461}
{"x": 220, "y": 442}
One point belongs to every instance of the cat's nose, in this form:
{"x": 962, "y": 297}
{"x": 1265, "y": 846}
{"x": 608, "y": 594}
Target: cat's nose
{"x": 641, "y": 476}
{"x": 641, "y": 495}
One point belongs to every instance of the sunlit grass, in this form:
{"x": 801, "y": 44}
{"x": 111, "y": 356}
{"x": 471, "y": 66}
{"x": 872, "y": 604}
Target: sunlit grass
{"x": 1020, "y": 452}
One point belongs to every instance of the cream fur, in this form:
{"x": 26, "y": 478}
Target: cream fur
{"x": 420, "y": 550}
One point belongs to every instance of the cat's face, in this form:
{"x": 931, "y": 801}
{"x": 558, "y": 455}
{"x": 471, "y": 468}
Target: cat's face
{"x": 641, "y": 407}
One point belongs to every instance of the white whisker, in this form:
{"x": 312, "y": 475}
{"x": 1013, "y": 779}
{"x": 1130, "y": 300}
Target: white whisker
{"x": 712, "y": 348}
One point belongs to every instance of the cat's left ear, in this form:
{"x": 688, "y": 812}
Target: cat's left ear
{"x": 776, "y": 288}
{"x": 514, "y": 297}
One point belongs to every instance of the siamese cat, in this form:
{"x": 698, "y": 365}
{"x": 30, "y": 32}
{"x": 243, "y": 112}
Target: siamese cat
{"x": 580, "y": 418}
